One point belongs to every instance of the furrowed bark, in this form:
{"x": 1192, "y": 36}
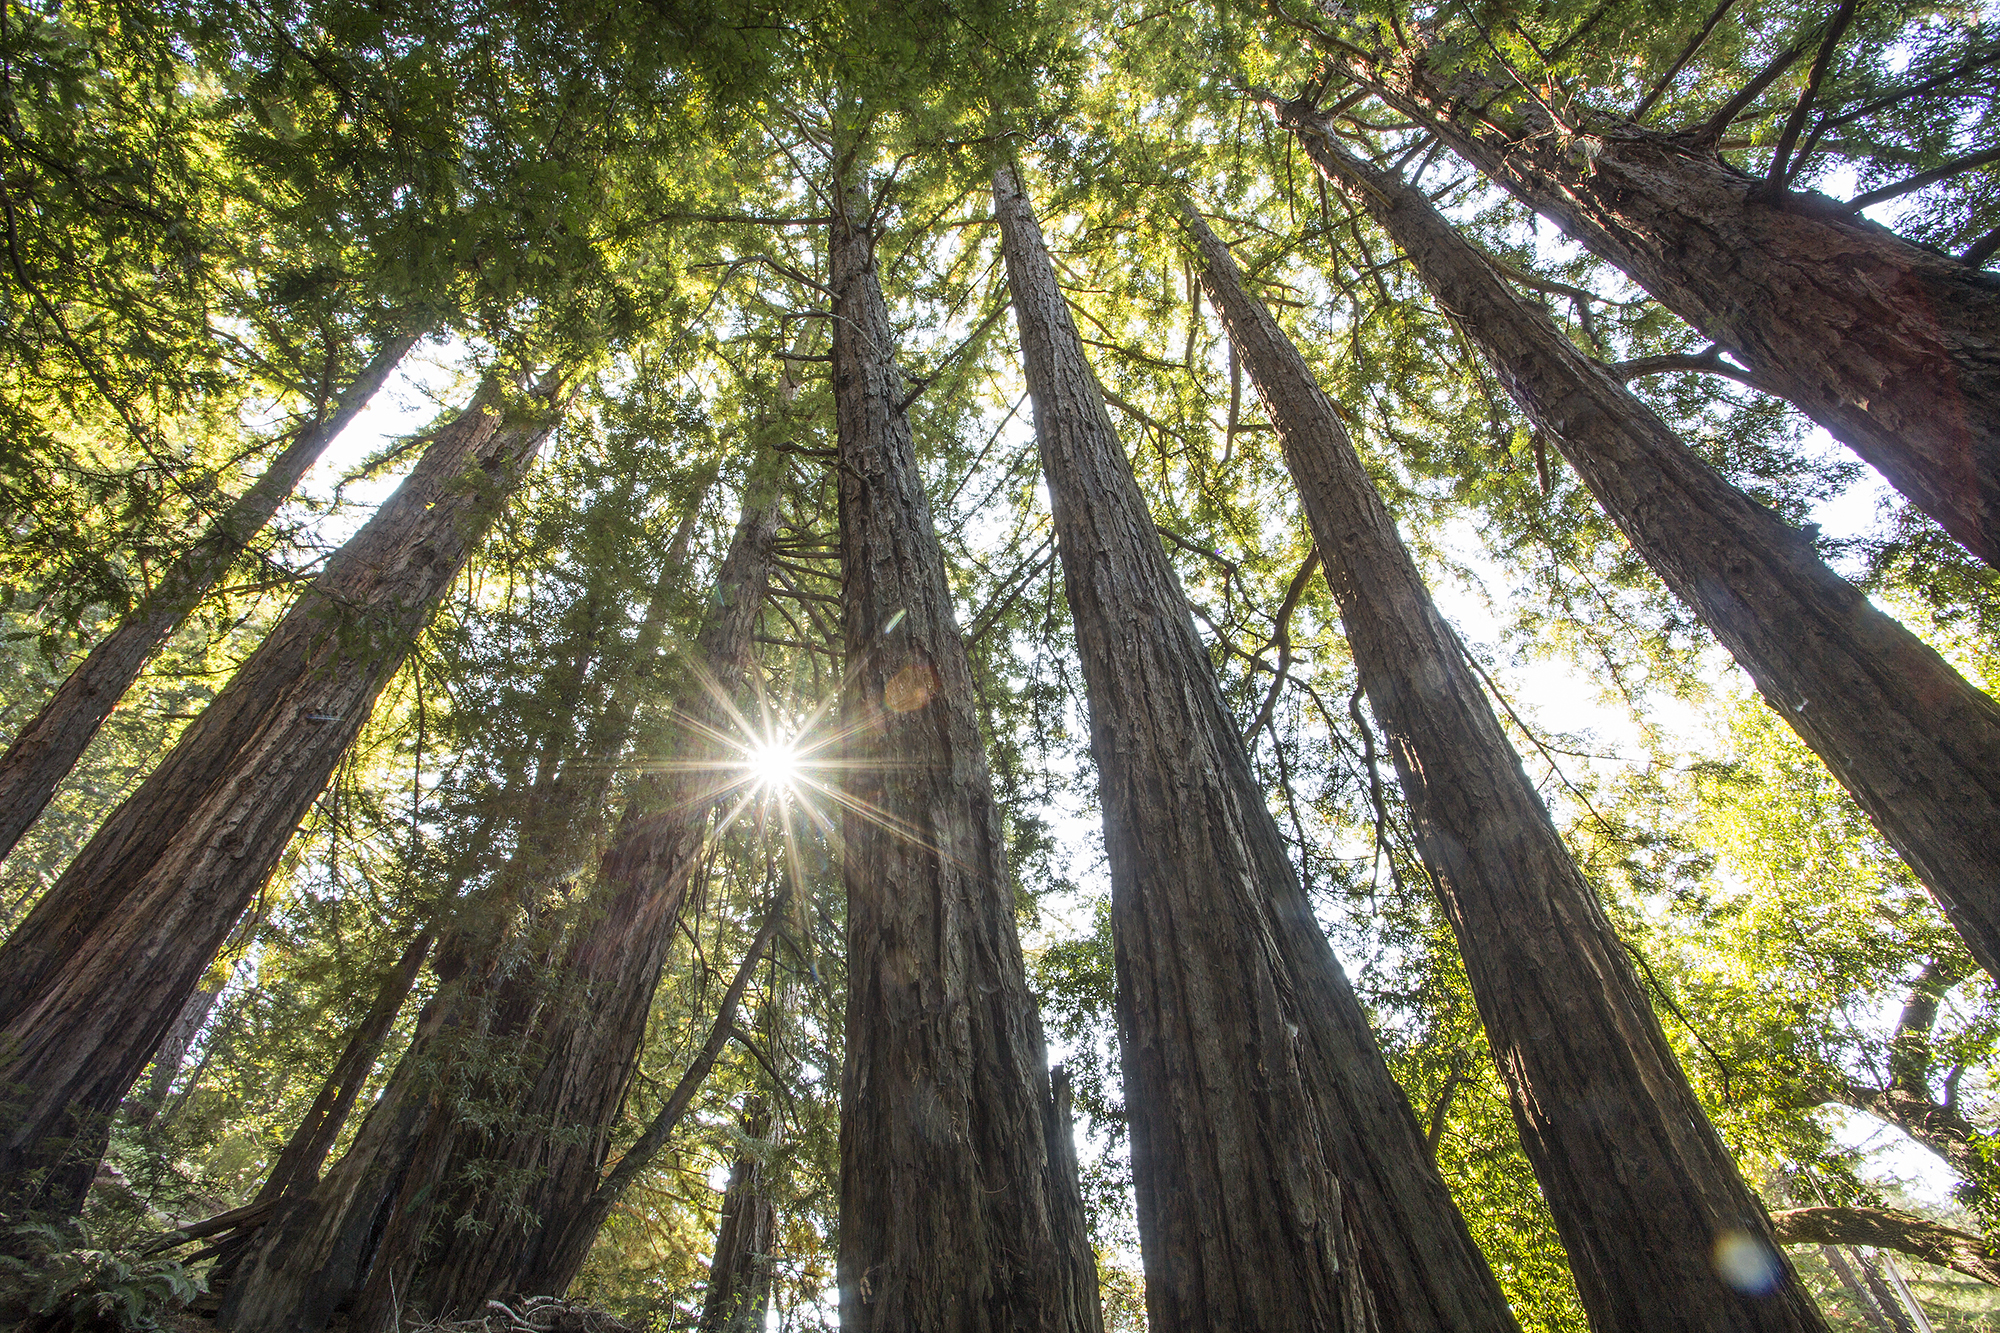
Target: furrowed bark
{"x": 46, "y": 749}
{"x": 948, "y": 1220}
{"x": 93, "y": 977}
{"x": 1893, "y": 348}
{"x": 739, "y": 1272}
{"x": 360, "y": 1235}
{"x": 1914, "y": 743}
{"x": 1641, "y": 1187}
{"x": 1282, "y": 1180}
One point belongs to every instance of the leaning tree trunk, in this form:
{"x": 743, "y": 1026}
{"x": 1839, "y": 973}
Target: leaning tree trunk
{"x": 47, "y": 748}
{"x": 739, "y": 1271}
{"x": 1916, "y": 746}
{"x": 298, "y": 1164}
{"x": 1642, "y": 1189}
{"x": 323, "y": 1251}
{"x": 1283, "y": 1182}
{"x": 588, "y": 1024}
{"x": 91, "y": 980}
{"x": 186, "y": 1027}
{"x": 949, "y": 1201}
{"x": 1892, "y": 347}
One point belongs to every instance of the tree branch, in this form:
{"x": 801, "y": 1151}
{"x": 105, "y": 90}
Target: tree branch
{"x": 1889, "y": 1229}
{"x": 1781, "y": 160}
{"x": 1969, "y": 162}
{"x": 1673, "y": 71}
{"x": 1711, "y": 131}
{"x": 1709, "y": 362}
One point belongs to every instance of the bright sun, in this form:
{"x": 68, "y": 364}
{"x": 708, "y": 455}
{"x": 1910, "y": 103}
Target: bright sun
{"x": 773, "y": 765}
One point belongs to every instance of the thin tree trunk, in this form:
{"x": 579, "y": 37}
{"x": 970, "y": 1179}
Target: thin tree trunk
{"x": 349, "y": 1240}
{"x": 1856, "y": 1292}
{"x": 1283, "y": 1182}
{"x": 47, "y": 748}
{"x": 738, "y": 1298}
{"x": 1895, "y": 349}
{"x": 1641, "y": 1187}
{"x": 565, "y": 1252}
{"x": 1915, "y": 745}
{"x": 297, "y": 1167}
{"x": 167, "y": 1060}
{"x": 949, "y": 1209}
{"x": 91, "y": 980}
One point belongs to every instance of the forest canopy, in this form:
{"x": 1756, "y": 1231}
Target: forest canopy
{"x": 1048, "y": 665}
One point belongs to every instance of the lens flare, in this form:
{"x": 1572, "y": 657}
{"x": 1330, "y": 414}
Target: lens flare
{"x": 773, "y": 764}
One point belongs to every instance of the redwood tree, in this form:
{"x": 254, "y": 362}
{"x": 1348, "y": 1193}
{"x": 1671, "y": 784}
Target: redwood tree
{"x": 1641, "y": 1188}
{"x": 1916, "y": 745}
{"x": 1892, "y": 346}
{"x": 91, "y": 980}
{"x": 950, "y": 1202}
{"x": 48, "y": 746}
{"x": 1282, "y": 1181}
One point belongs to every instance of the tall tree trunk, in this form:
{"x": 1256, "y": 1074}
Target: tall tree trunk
{"x": 91, "y": 980}
{"x": 47, "y": 748}
{"x": 1915, "y": 745}
{"x": 589, "y": 1024}
{"x": 1641, "y": 1187}
{"x": 346, "y": 1240}
{"x": 1892, "y": 347}
{"x": 1283, "y": 1182}
{"x": 948, "y": 1197}
{"x": 739, "y": 1272}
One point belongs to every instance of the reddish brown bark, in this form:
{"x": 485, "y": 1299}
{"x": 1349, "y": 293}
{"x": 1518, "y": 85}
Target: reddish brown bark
{"x": 44, "y": 751}
{"x": 1914, "y": 743}
{"x": 1894, "y": 348}
{"x": 1641, "y": 1187}
{"x": 1282, "y": 1180}
{"x": 949, "y": 1201}
{"x": 91, "y": 980}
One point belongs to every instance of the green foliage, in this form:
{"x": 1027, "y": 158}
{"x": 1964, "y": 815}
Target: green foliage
{"x": 52, "y": 1279}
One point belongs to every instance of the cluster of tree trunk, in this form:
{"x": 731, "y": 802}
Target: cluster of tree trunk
{"x": 1913, "y": 741}
{"x": 1641, "y": 1188}
{"x": 957, "y": 1213}
{"x": 1892, "y": 347}
{"x": 92, "y": 979}
{"x": 378, "y": 1233}
{"x": 1282, "y": 1179}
